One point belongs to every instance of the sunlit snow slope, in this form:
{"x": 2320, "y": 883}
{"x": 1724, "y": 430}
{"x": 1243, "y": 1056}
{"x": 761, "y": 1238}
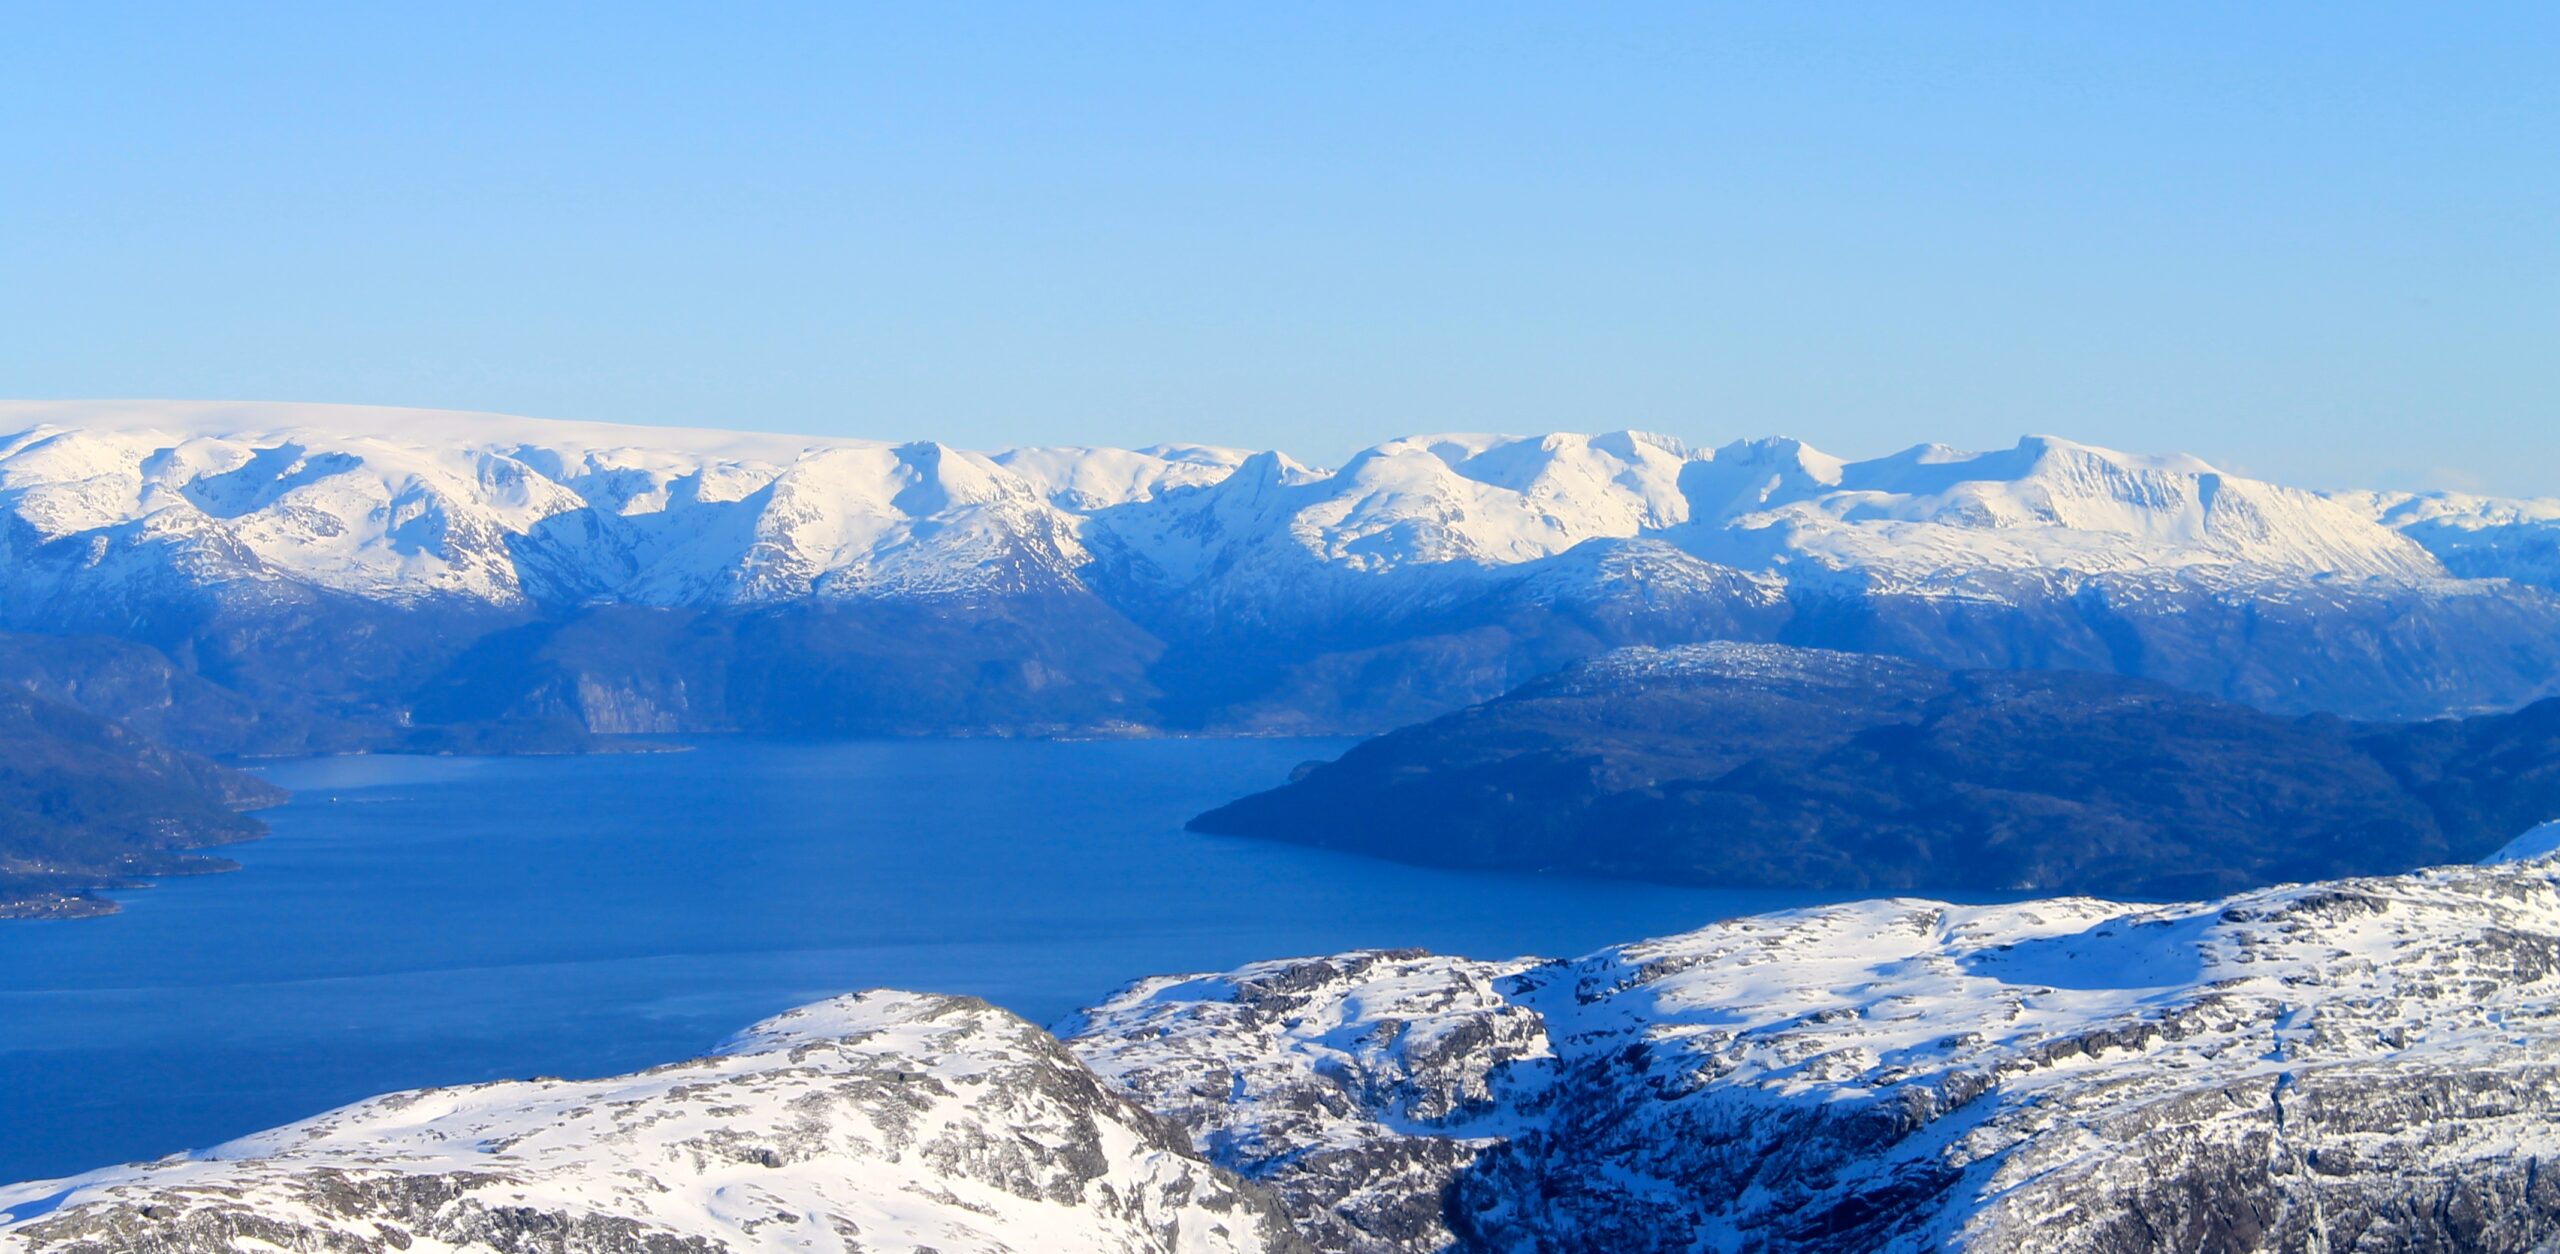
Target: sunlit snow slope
{"x": 352, "y": 563}
{"x": 409, "y": 504}
{"x": 879, "y": 1122}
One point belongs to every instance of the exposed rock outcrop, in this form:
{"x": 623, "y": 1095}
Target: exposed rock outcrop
{"x": 2359, "y": 1065}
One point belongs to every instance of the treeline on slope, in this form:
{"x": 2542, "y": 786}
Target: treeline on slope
{"x": 86, "y": 805}
{"x": 330, "y": 673}
{"x": 1753, "y": 765}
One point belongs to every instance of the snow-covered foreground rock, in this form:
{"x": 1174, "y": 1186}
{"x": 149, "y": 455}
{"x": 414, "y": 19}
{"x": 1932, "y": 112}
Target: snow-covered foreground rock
{"x": 877, "y": 1122}
{"x": 2360, "y": 1065}
{"x": 2366, "y": 1064}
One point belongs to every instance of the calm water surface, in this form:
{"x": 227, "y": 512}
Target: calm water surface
{"x": 420, "y": 921}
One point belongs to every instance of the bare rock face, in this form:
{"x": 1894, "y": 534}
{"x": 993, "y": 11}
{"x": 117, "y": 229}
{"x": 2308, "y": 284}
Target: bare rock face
{"x": 1356, "y": 1087}
{"x": 2359, "y": 1065}
{"x": 876, "y": 1122}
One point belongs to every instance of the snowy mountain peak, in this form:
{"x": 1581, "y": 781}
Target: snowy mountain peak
{"x": 2476, "y": 537}
{"x": 1273, "y": 469}
{"x": 1085, "y": 480}
{"x": 2043, "y": 508}
{"x": 116, "y": 503}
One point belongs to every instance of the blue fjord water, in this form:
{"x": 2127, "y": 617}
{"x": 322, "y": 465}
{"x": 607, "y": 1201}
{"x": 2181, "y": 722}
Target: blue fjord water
{"x": 418, "y": 921}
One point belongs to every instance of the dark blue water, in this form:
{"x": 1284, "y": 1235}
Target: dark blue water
{"x": 422, "y": 921}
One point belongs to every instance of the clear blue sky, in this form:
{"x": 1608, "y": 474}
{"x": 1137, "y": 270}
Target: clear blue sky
{"x": 2317, "y": 242}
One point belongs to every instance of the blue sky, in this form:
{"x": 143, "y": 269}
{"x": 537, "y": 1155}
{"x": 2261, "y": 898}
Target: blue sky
{"x": 2320, "y": 243}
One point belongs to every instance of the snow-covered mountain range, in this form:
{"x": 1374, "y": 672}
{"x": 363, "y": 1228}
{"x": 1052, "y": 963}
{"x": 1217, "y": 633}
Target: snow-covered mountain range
{"x": 1201, "y": 586}
{"x": 2476, "y": 537}
{"x": 400, "y": 505}
{"x": 2352, "y": 1065}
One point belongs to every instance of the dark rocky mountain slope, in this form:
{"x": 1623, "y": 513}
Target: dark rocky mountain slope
{"x": 1764, "y": 765}
{"x": 86, "y": 804}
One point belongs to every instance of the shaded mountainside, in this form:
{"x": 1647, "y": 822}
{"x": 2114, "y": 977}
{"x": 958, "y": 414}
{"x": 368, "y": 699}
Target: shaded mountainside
{"x": 396, "y": 579}
{"x": 1761, "y": 765}
{"x": 2354, "y": 1065}
{"x": 1019, "y": 665}
{"x": 86, "y": 804}
{"x": 277, "y": 687}
{"x": 143, "y": 689}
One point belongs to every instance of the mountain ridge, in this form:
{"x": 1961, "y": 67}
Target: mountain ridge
{"x": 349, "y": 567}
{"x": 461, "y": 497}
{"x": 2355, "y": 1064}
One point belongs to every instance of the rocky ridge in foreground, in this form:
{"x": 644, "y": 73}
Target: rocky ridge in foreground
{"x": 880, "y": 1121}
{"x": 2356, "y": 1065}
{"x": 2368, "y": 1064}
